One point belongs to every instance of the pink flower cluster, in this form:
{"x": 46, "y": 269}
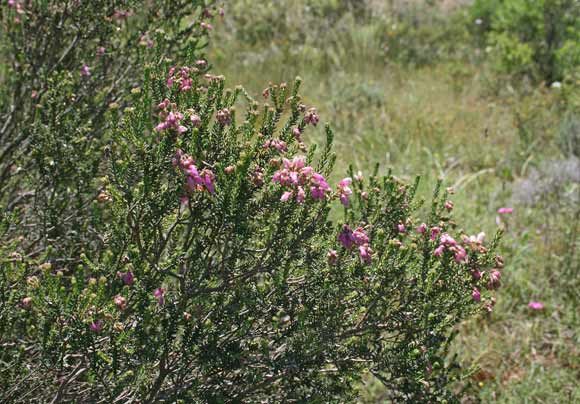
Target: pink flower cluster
{"x": 17, "y": 4}
{"x": 159, "y": 295}
{"x": 296, "y": 175}
{"x": 474, "y": 242}
{"x": 96, "y": 326}
{"x": 120, "y": 302}
{"x": 297, "y": 133}
{"x": 449, "y": 243}
{"x": 344, "y": 191}
{"x": 126, "y": 277}
{"x": 277, "y": 144}
{"x": 223, "y": 116}
{"x": 504, "y": 211}
{"x": 171, "y": 120}
{"x": 349, "y": 238}
{"x": 311, "y": 117}
{"x": 85, "y": 71}
{"x": 196, "y": 180}
{"x": 181, "y": 77}
{"x": 494, "y": 277}
{"x": 422, "y": 228}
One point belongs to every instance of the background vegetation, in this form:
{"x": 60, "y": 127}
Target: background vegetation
{"x": 484, "y": 95}
{"x": 105, "y": 294}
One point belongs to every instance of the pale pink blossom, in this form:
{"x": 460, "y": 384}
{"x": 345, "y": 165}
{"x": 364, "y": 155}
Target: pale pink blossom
{"x": 26, "y": 303}
{"x": 223, "y": 116}
{"x": 311, "y": 117}
{"x": 127, "y": 278}
{"x": 447, "y": 240}
{"x": 332, "y": 257}
{"x": 96, "y": 326}
{"x": 159, "y": 294}
{"x": 345, "y": 191}
{"x": 85, "y": 71}
{"x": 297, "y": 134}
{"x": 503, "y": 211}
{"x": 120, "y": 302}
{"x": 195, "y": 120}
{"x": 286, "y": 196}
{"x": 476, "y": 295}
{"x": 172, "y": 121}
{"x": 494, "y": 279}
{"x": 435, "y": 232}
{"x": 459, "y": 254}
{"x": 300, "y": 195}
{"x": 365, "y": 253}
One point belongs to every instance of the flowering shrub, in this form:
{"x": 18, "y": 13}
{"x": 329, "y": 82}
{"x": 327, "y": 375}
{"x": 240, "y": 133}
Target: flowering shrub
{"x": 222, "y": 278}
{"x": 64, "y": 64}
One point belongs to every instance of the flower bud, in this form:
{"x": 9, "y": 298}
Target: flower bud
{"x": 33, "y": 282}
{"x": 120, "y": 302}
{"x": 45, "y": 267}
{"x": 96, "y": 326}
{"x": 26, "y": 303}
{"x": 494, "y": 279}
{"x": 332, "y": 257}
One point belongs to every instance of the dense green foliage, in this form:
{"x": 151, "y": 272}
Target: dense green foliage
{"x": 159, "y": 247}
{"x": 539, "y": 38}
{"x": 166, "y": 239}
{"x": 64, "y": 65}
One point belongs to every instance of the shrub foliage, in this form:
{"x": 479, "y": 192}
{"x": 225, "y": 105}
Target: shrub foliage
{"x": 205, "y": 264}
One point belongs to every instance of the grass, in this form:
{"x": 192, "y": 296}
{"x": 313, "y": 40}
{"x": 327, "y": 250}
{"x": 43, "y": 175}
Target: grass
{"x": 450, "y": 120}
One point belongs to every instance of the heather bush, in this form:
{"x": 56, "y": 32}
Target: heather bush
{"x": 222, "y": 277}
{"x": 63, "y": 66}
{"x": 165, "y": 239}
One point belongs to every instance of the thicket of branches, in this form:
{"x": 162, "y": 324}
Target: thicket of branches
{"x": 165, "y": 239}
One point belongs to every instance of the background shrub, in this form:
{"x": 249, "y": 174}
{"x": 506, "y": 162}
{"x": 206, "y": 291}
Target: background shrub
{"x": 536, "y": 38}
